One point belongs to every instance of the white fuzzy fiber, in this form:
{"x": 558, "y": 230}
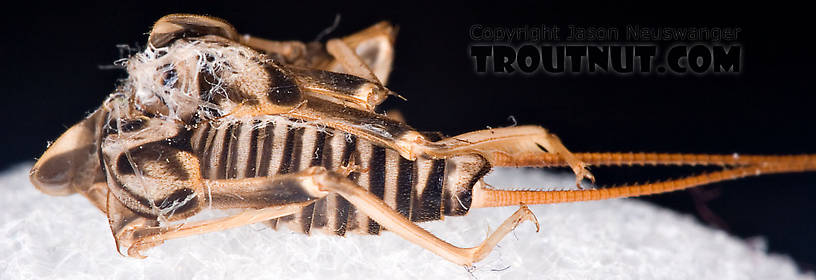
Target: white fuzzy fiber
{"x": 45, "y": 237}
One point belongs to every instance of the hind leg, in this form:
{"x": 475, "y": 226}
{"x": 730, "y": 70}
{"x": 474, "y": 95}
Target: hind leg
{"x": 520, "y": 146}
{"x": 373, "y": 46}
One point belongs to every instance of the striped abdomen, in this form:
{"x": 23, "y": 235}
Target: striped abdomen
{"x": 421, "y": 190}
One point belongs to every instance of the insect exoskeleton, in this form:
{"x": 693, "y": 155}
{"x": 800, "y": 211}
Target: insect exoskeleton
{"x": 287, "y": 131}
{"x": 212, "y": 109}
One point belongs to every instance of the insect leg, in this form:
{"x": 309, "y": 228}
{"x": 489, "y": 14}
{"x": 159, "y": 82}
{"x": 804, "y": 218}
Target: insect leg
{"x": 374, "y": 46}
{"x": 268, "y": 198}
{"x": 174, "y": 26}
{"x": 341, "y": 88}
{"x": 368, "y": 53}
{"x": 351, "y": 62}
{"x": 290, "y": 51}
{"x": 148, "y": 237}
{"x": 389, "y": 218}
{"x": 511, "y": 146}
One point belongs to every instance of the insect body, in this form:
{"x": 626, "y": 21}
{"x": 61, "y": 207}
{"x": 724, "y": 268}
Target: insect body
{"x": 287, "y": 132}
{"x": 260, "y": 147}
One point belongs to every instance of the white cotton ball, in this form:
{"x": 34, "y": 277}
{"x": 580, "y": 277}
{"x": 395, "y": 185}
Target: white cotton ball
{"x": 49, "y": 237}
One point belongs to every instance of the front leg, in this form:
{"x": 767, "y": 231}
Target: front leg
{"x": 143, "y": 237}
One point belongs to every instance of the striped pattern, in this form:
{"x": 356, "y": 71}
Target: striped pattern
{"x": 421, "y": 190}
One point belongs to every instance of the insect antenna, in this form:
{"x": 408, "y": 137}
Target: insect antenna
{"x": 329, "y": 29}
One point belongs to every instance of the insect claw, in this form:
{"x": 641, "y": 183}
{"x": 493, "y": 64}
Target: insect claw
{"x": 529, "y": 216}
{"x": 352, "y": 167}
{"x": 391, "y": 93}
{"x": 136, "y": 249}
{"x": 135, "y": 252}
{"x": 582, "y": 173}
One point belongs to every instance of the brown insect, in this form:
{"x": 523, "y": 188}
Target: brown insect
{"x": 286, "y": 131}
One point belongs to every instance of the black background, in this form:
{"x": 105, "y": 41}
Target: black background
{"x": 50, "y": 79}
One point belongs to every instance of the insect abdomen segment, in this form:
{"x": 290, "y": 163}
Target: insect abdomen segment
{"x": 422, "y": 190}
